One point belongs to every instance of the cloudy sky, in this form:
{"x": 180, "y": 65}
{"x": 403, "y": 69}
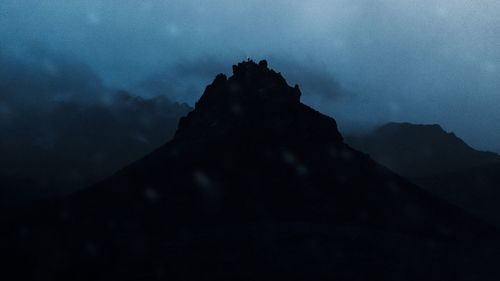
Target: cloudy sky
{"x": 363, "y": 62}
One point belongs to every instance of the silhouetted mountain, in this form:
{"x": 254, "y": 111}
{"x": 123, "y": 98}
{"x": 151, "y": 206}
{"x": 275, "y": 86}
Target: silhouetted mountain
{"x": 75, "y": 144}
{"x": 440, "y": 162}
{"x": 254, "y": 185}
{"x": 420, "y": 150}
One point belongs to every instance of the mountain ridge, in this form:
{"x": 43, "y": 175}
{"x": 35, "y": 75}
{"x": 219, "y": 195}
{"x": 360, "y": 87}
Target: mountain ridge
{"x": 419, "y": 150}
{"x": 254, "y": 184}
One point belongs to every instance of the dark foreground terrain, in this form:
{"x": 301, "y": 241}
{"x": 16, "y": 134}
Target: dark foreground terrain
{"x": 254, "y": 186}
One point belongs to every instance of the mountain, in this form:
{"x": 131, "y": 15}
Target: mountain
{"x": 440, "y": 162}
{"x": 254, "y": 185}
{"x": 74, "y": 144}
{"x": 420, "y": 150}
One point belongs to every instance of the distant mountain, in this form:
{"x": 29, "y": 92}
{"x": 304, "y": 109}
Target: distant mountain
{"x": 255, "y": 185}
{"x": 70, "y": 145}
{"x": 440, "y": 162}
{"x": 420, "y": 150}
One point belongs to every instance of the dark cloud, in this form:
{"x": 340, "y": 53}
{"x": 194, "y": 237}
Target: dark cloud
{"x": 317, "y": 82}
{"x": 36, "y": 76}
{"x": 420, "y": 61}
{"x": 186, "y": 78}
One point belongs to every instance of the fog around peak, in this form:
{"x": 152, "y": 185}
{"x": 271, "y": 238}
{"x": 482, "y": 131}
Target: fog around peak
{"x": 363, "y": 62}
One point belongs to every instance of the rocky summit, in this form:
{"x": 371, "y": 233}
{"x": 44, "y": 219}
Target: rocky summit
{"x": 255, "y": 185}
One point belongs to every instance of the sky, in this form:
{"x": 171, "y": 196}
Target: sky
{"x": 363, "y": 62}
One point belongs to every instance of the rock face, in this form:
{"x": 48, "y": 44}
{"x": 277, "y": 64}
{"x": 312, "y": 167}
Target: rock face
{"x": 254, "y": 185}
{"x": 417, "y": 151}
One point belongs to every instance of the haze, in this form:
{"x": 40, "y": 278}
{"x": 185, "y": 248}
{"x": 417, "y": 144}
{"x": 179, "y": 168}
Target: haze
{"x": 363, "y": 62}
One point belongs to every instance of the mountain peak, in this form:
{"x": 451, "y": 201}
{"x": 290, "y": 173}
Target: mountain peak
{"x": 399, "y": 126}
{"x": 420, "y": 150}
{"x": 433, "y": 133}
{"x": 251, "y": 167}
{"x": 251, "y": 82}
{"x": 254, "y": 96}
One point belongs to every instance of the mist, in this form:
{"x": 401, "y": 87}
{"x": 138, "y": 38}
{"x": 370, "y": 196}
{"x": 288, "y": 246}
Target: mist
{"x": 63, "y": 129}
{"x": 362, "y": 62}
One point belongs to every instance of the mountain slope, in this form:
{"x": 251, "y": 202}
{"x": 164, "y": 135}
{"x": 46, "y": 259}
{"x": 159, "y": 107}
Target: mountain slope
{"x": 420, "y": 150}
{"x": 440, "y": 162}
{"x": 476, "y": 189}
{"x": 254, "y": 185}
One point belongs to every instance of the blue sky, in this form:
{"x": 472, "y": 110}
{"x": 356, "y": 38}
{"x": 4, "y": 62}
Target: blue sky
{"x": 364, "y": 62}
